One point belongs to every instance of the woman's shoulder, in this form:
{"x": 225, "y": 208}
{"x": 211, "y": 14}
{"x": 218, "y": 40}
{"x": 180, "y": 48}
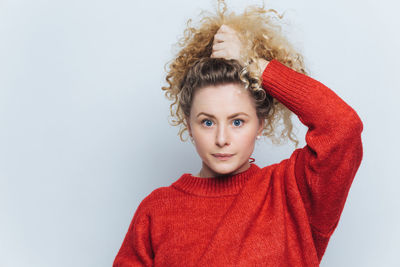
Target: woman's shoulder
{"x": 158, "y": 198}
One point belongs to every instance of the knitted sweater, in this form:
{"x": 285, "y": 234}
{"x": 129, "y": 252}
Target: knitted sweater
{"x": 279, "y": 215}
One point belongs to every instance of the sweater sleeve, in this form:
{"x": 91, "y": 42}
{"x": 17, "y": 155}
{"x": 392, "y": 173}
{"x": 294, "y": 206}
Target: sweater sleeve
{"x": 136, "y": 249}
{"x": 325, "y": 168}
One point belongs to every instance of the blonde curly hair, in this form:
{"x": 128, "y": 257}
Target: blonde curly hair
{"x": 261, "y": 37}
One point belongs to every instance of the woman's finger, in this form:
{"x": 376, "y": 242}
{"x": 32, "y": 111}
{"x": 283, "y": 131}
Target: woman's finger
{"x": 225, "y": 28}
{"x": 219, "y": 54}
{"x": 225, "y": 37}
{"x": 218, "y": 46}
{"x": 220, "y": 37}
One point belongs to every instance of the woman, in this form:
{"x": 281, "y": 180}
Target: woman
{"x": 233, "y": 212}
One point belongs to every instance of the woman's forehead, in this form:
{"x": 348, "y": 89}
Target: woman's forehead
{"x": 222, "y": 92}
{"x": 223, "y": 99}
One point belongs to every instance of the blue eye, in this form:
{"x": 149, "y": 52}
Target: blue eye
{"x": 237, "y": 120}
{"x": 208, "y": 122}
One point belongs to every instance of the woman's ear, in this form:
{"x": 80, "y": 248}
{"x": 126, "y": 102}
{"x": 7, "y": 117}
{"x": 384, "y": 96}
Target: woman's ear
{"x": 261, "y": 126}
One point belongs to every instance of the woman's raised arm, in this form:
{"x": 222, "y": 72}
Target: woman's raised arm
{"x": 325, "y": 168}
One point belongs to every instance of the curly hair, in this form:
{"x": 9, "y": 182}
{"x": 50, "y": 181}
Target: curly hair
{"x": 261, "y": 38}
{"x": 218, "y": 71}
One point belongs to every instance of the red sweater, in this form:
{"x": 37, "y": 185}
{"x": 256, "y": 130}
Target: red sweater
{"x": 279, "y": 215}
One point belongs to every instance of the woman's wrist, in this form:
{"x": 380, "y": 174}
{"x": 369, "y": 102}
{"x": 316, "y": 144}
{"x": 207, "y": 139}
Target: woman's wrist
{"x": 262, "y": 63}
{"x": 259, "y": 65}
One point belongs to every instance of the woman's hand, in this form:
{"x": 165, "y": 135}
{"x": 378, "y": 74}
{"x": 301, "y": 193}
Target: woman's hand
{"x": 226, "y": 44}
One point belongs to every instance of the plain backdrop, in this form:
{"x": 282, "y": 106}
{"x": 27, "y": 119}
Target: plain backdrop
{"x": 84, "y": 133}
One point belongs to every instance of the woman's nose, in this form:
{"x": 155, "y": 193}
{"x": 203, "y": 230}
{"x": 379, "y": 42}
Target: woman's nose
{"x": 222, "y": 137}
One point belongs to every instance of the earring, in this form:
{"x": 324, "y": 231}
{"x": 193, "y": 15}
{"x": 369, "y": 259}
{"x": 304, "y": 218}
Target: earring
{"x": 191, "y": 139}
{"x": 258, "y": 137}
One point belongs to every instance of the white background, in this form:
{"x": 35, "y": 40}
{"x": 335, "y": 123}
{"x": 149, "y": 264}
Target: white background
{"x": 84, "y": 133}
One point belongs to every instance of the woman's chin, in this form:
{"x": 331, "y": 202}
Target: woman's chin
{"x": 222, "y": 168}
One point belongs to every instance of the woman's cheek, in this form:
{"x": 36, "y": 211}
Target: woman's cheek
{"x": 202, "y": 141}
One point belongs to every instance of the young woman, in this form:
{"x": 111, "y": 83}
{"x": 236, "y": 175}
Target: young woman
{"x": 233, "y": 81}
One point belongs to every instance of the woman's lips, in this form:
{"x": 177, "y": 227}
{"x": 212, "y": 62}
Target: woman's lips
{"x": 223, "y": 156}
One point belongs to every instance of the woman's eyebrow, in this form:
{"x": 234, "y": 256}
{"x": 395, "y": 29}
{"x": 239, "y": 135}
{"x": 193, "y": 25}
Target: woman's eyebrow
{"x": 231, "y": 116}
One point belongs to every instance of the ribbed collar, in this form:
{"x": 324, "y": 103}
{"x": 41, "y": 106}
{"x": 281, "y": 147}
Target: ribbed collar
{"x": 224, "y": 185}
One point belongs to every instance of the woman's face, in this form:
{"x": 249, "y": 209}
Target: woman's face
{"x": 223, "y": 120}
